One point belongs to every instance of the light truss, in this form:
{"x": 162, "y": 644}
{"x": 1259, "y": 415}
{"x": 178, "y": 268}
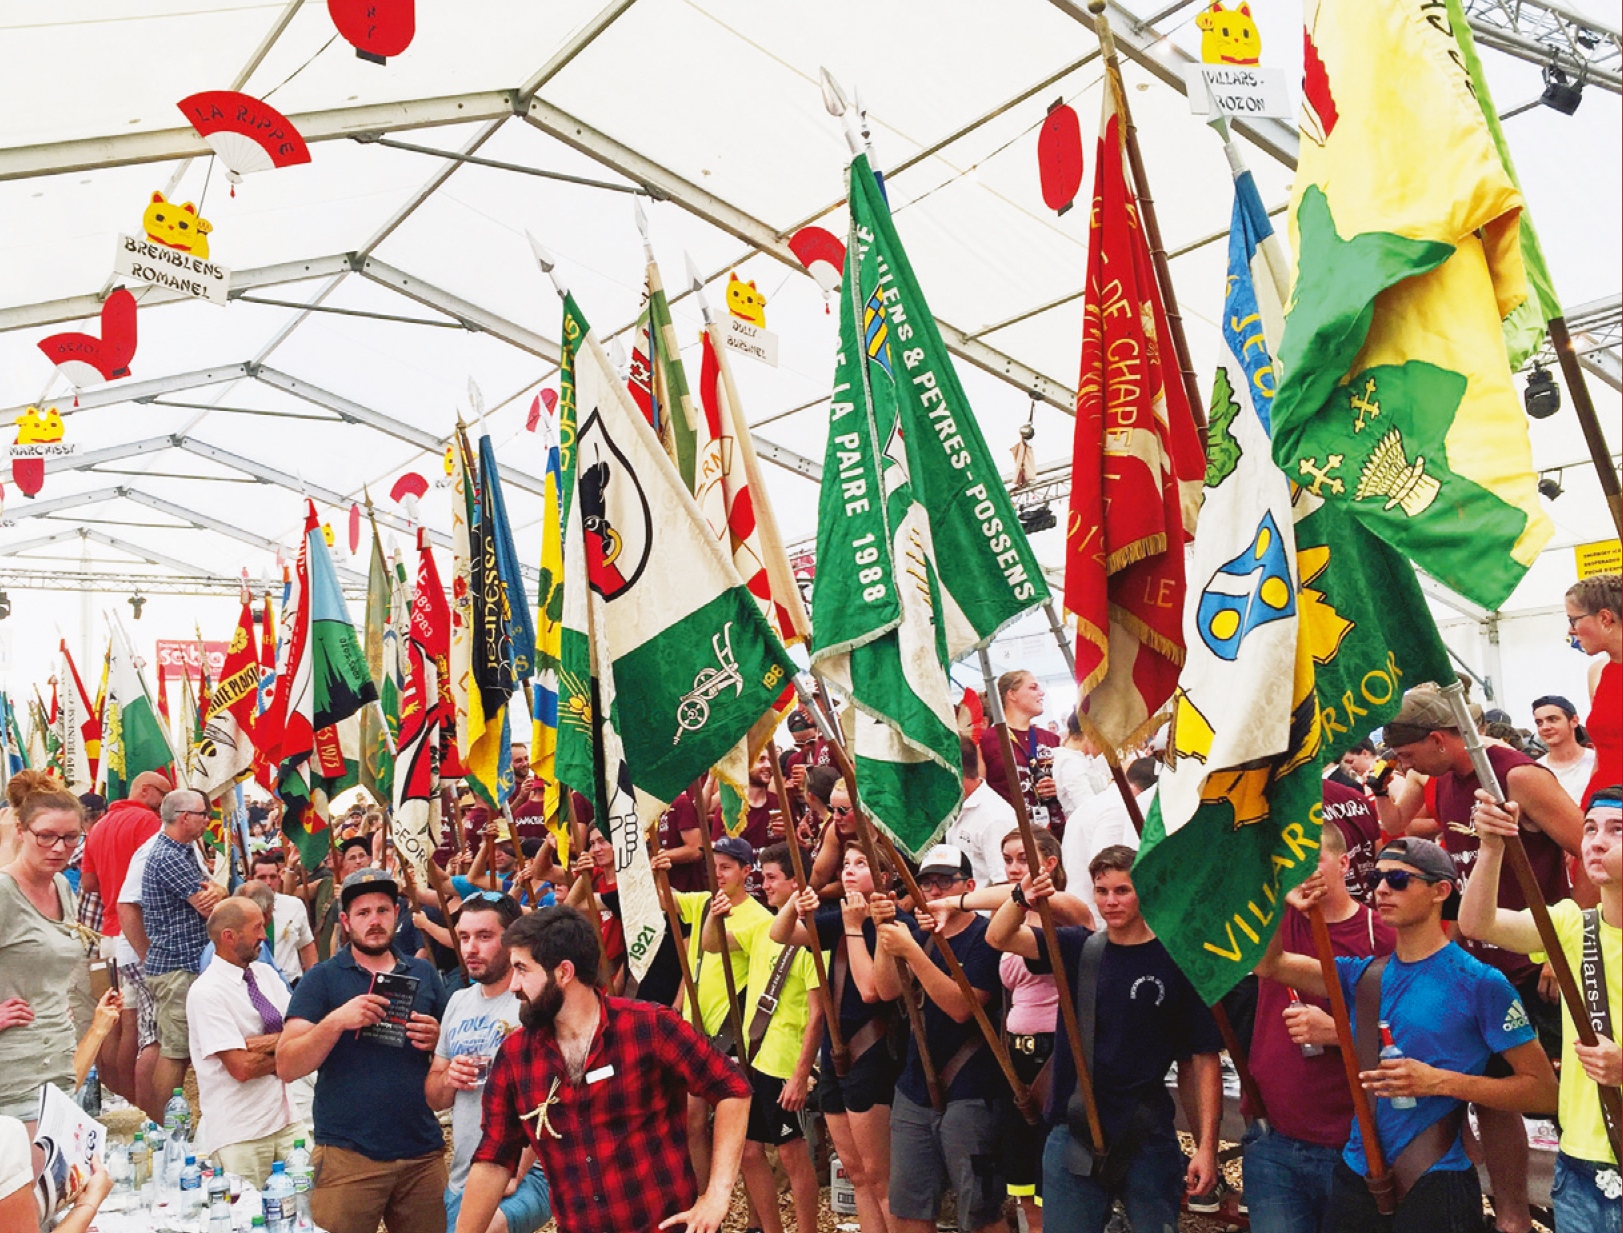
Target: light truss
{"x": 31, "y": 578}
{"x": 1544, "y": 32}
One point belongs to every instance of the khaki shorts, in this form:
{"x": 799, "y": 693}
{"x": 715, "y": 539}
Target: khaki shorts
{"x": 354, "y": 1193}
{"x": 169, "y": 991}
{"x": 251, "y": 1159}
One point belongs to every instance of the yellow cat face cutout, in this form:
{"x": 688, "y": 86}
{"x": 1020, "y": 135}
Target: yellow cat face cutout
{"x": 745, "y": 301}
{"x": 177, "y": 226}
{"x": 1228, "y": 36}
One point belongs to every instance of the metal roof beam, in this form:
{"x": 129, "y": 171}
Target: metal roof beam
{"x": 112, "y": 453}
{"x": 706, "y": 205}
{"x": 469, "y": 314}
{"x": 354, "y": 412}
{"x": 16, "y": 511}
{"x": 1151, "y": 49}
{"x": 85, "y": 307}
{"x": 43, "y": 541}
{"x": 146, "y": 554}
{"x": 204, "y": 522}
{"x": 788, "y": 459}
{"x": 161, "y": 145}
{"x": 115, "y": 392}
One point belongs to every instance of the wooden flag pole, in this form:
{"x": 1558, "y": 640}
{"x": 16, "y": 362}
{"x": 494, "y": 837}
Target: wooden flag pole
{"x": 1599, "y": 453}
{"x": 824, "y": 719}
{"x": 734, "y": 1016}
{"x": 1023, "y": 1098}
{"x": 673, "y": 922}
{"x": 1380, "y": 1182}
{"x": 831, "y": 1012}
{"x": 1516, "y": 858}
{"x": 1045, "y": 914}
{"x": 1146, "y": 213}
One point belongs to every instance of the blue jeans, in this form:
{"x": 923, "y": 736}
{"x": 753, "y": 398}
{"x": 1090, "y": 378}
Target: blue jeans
{"x": 1287, "y": 1181}
{"x": 527, "y": 1208}
{"x": 1152, "y": 1191}
{"x": 1580, "y": 1206}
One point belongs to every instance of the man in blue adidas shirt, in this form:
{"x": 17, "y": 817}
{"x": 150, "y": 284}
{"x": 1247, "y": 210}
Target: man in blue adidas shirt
{"x": 1450, "y": 1014}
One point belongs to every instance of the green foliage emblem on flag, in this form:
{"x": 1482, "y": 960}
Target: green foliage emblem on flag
{"x": 920, "y": 557}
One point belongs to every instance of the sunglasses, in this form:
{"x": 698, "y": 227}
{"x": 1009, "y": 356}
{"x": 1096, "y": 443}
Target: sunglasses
{"x": 483, "y": 896}
{"x": 844, "y": 811}
{"x": 1397, "y": 879}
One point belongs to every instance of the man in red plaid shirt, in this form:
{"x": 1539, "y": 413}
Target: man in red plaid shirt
{"x": 598, "y": 1087}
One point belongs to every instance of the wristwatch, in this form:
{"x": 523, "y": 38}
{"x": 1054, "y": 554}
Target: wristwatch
{"x": 1018, "y": 894}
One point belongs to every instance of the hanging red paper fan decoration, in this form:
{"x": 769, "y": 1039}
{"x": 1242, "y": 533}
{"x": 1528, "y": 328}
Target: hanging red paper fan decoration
{"x": 1059, "y": 157}
{"x": 248, "y": 135}
{"x": 84, "y": 358}
{"x": 377, "y": 29}
{"x": 354, "y": 529}
{"x": 821, "y": 252}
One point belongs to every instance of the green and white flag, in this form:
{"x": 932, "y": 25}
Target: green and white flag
{"x": 133, "y": 739}
{"x": 920, "y": 557}
{"x": 666, "y": 659}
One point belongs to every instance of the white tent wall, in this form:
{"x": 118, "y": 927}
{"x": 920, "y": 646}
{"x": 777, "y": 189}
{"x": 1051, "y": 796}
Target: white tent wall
{"x": 396, "y": 275}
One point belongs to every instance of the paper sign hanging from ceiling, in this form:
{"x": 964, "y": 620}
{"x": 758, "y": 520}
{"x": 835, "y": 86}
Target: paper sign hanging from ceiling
{"x": 1230, "y": 72}
{"x": 377, "y": 29}
{"x": 85, "y": 359}
{"x": 745, "y": 328}
{"x": 247, "y": 134}
{"x": 38, "y": 437}
{"x": 174, "y": 252}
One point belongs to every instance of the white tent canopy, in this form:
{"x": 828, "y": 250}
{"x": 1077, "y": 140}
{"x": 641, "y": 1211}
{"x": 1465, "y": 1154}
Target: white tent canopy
{"x": 370, "y": 284}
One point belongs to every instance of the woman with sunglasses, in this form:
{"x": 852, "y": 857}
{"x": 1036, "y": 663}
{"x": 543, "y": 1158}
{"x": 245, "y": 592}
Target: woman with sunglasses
{"x": 841, "y": 829}
{"x": 1595, "y": 621}
{"x": 42, "y": 959}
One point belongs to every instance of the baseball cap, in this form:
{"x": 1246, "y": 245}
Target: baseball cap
{"x": 1570, "y": 711}
{"x": 799, "y": 721}
{"x": 736, "y": 847}
{"x": 366, "y": 882}
{"x": 945, "y": 858}
{"x": 1424, "y": 710}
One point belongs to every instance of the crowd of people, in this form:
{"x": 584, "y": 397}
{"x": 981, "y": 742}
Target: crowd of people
{"x": 806, "y": 986}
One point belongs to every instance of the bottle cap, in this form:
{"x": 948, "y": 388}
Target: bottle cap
{"x": 278, "y": 1167}
{"x": 178, "y": 1092}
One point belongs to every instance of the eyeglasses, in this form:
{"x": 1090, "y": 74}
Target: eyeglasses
{"x": 48, "y": 841}
{"x": 1397, "y": 879}
{"x": 940, "y": 882}
{"x": 1572, "y": 621}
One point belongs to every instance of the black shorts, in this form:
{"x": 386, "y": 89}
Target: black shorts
{"x": 872, "y": 1081}
{"x": 1019, "y": 1142}
{"x": 769, "y": 1121}
{"x": 1544, "y": 1016}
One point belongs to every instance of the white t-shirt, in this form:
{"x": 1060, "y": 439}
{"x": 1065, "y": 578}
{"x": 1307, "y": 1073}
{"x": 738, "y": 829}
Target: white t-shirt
{"x": 130, "y": 892}
{"x": 472, "y": 1023}
{"x": 1573, "y": 777}
{"x": 220, "y": 1017}
{"x": 291, "y": 925}
{"x": 978, "y": 832}
{"x": 1078, "y": 778}
{"x": 1101, "y": 823}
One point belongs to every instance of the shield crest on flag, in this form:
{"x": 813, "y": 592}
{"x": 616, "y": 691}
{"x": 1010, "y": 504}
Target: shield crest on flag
{"x": 615, "y": 517}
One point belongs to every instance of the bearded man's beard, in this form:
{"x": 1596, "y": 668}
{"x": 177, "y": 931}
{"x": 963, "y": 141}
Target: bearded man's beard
{"x": 537, "y": 1014}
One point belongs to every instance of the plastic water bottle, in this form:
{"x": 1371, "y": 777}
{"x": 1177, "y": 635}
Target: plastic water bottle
{"x": 279, "y": 1200}
{"x": 1390, "y": 1049}
{"x": 140, "y": 1161}
{"x": 219, "y": 1192}
{"x": 302, "y": 1174}
{"x": 191, "y": 1185}
{"x": 174, "y": 1163}
{"x": 177, "y": 1115}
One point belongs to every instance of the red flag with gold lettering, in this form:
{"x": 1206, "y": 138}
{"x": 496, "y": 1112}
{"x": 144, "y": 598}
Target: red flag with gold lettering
{"x": 1136, "y": 457}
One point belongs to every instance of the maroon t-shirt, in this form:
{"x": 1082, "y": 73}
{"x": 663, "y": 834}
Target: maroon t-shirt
{"x": 683, "y": 815}
{"x": 1349, "y": 809}
{"x": 1028, "y": 747}
{"x": 1307, "y": 1097}
{"x": 1455, "y": 796}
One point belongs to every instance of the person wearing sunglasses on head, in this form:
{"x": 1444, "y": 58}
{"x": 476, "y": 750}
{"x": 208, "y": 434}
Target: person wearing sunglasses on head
{"x": 1449, "y": 1014}
{"x": 842, "y": 827}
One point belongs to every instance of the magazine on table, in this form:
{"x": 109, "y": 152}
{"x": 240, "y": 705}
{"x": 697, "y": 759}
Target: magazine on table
{"x": 70, "y": 1139}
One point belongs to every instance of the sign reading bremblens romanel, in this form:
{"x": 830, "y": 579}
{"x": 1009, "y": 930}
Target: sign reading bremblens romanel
{"x": 920, "y": 557}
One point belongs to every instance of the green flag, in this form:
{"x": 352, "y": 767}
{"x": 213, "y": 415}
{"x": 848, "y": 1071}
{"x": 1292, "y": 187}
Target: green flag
{"x": 666, "y": 658}
{"x": 377, "y": 769}
{"x": 134, "y": 740}
{"x": 920, "y": 557}
{"x": 1524, "y": 327}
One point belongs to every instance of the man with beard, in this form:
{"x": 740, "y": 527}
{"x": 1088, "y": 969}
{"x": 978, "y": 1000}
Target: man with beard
{"x": 597, "y": 1087}
{"x": 759, "y": 809}
{"x": 380, "y": 1154}
{"x": 476, "y": 1021}
{"x": 234, "y": 1014}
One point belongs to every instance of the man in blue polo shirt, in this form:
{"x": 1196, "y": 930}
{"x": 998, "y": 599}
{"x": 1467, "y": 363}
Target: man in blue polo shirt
{"x": 380, "y": 1152}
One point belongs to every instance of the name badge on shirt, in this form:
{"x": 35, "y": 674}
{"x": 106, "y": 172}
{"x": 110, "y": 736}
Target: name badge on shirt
{"x": 601, "y": 1073}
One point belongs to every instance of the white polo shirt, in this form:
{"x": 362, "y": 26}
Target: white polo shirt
{"x": 978, "y": 832}
{"x": 219, "y": 1017}
{"x": 290, "y": 924}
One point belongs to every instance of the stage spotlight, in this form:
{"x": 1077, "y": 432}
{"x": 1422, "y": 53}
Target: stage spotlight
{"x": 1038, "y": 518}
{"x": 1549, "y": 487}
{"x": 5, "y": 604}
{"x": 1559, "y": 93}
{"x": 137, "y": 602}
{"x": 1543, "y": 396}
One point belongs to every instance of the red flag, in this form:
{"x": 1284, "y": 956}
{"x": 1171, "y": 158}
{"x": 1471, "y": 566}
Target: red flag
{"x": 90, "y": 727}
{"x": 264, "y": 760}
{"x": 1136, "y": 448}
